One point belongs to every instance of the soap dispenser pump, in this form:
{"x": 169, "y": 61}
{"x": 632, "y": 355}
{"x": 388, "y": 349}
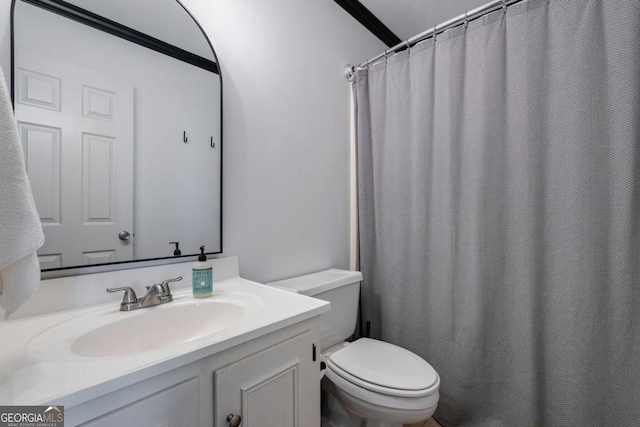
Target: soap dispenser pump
{"x": 202, "y": 274}
{"x": 177, "y": 251}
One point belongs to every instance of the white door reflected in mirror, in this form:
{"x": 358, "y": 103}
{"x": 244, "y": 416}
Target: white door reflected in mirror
{"x": 76, "y": 126}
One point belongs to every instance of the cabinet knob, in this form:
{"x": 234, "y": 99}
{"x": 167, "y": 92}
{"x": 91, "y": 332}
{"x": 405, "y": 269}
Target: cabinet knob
{"x": 234, "y": 420}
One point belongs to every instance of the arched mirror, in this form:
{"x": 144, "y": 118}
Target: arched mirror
{"x": 119, "y": 108}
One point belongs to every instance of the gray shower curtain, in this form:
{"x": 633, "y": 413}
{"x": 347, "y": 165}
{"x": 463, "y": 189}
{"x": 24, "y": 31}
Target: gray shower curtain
{"x": 499, "y": 212}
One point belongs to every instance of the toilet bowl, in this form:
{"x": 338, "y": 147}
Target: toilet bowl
{"x": 378, "y": 381}
{"x": 378, "y": 384}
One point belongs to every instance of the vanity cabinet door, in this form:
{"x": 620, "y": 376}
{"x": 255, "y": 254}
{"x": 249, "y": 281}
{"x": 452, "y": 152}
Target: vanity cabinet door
{"x": 175, "y": 406}
{"x": 277, "y": 387}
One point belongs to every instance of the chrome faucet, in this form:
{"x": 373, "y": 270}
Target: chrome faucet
{"x": 159, "y": 293}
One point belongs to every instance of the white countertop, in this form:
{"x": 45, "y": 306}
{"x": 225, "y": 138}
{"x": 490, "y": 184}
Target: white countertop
{"x": 29, "y": 377}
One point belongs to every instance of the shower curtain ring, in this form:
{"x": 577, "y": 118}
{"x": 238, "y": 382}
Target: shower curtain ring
{"x": 435, "y": 33}
{"x": 504, "y": 6}
{"x": 466, "y": 19}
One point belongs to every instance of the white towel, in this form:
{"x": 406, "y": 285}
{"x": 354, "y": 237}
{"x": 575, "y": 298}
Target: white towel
{"x": 20, "y": 229}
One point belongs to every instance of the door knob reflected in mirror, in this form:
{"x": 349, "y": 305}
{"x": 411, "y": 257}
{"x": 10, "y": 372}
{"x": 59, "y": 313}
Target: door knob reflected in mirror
{"x": 234, "y": 420}
{"x": 124, "y": 235}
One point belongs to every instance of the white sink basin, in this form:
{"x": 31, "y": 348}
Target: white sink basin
{"x": 108, "y": 332}
{"x": 157, "y": 328}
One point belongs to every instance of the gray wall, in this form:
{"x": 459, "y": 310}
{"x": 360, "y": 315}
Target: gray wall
{"x": 286, "y": 128}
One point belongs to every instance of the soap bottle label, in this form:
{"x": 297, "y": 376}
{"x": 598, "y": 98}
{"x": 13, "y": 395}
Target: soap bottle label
{"x": 203, "y": 281}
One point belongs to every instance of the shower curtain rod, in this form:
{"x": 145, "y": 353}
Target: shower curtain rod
{"x": 454, "y": 22}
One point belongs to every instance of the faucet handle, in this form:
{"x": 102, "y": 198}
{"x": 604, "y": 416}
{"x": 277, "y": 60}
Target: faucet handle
{"x": 129, "y": 297}
{"x": 165, "y": 284}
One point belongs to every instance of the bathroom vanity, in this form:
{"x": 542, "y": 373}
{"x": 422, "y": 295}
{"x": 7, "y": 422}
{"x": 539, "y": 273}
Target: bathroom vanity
{"x": 173, "y": 364}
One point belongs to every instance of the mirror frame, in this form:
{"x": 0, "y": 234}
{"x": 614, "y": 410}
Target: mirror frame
{"x": 116, "y": 29}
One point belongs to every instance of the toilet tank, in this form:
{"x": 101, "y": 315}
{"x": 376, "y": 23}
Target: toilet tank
{"x": 342, "y": 289}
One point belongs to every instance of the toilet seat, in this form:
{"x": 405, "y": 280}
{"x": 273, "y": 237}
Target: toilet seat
{"x": 384, "y": 368}
{"x": 355, "y": 396}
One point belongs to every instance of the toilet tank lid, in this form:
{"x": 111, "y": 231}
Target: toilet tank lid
{"x": 316, "y": 283}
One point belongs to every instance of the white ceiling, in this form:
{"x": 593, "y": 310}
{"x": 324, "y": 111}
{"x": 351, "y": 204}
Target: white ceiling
{"x": 406, "y": 18}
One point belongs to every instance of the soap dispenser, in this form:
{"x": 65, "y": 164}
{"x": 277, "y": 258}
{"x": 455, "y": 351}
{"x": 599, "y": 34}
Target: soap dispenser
{"x": 177, "y": 251}
{"x": 202, "y": 274}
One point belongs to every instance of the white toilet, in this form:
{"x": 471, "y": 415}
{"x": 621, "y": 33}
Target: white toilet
{"x": 379, "y": 384}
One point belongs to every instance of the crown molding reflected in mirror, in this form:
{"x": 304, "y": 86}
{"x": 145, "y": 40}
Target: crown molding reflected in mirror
{"x": 121, "y": 121}
{"x": 102, "y": 23}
